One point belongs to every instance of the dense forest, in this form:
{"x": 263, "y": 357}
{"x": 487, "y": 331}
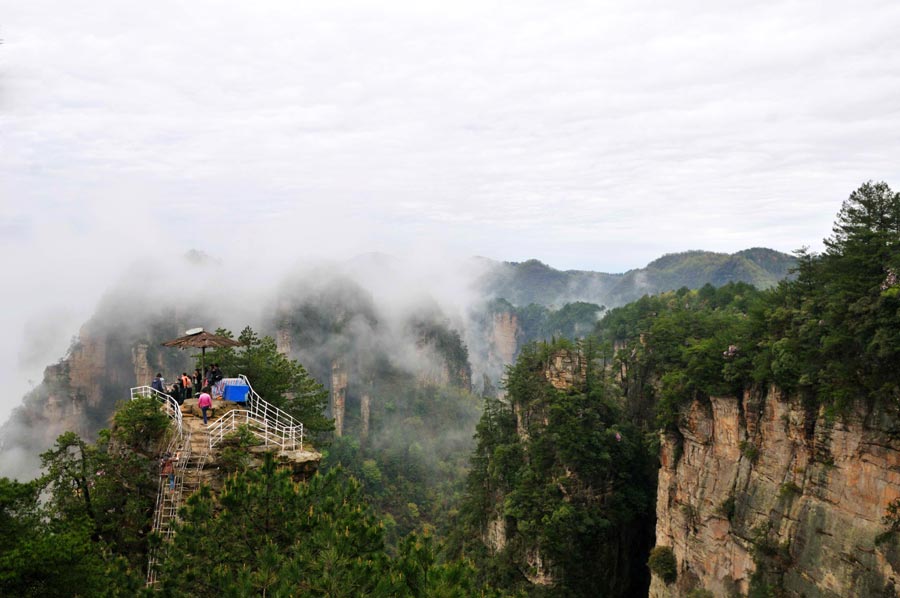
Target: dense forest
{"x": 567, "y": 474}
{"x": 554, "y": 497}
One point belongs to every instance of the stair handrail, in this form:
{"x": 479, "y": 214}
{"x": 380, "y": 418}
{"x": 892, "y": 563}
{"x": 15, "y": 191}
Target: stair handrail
{"x": 167, "y": 504}
{"x": 173, "y": 409}
{"x": 284, "y": 437}
{"x": 282, "y": 421}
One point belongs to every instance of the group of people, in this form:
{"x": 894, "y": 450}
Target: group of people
{"x": 185, "y": 386}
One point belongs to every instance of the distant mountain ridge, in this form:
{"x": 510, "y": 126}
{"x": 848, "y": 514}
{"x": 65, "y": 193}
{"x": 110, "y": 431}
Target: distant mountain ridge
{"x": 532, "y": 281}
{"x": 343, "y": 323}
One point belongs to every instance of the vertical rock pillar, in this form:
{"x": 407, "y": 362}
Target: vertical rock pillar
{"x": 142, "y": 372}
{"x": 283, "y": 341}
{"x": 338, "y": 394}
{"x": 364, "y": 416}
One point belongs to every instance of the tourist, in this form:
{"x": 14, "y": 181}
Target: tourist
{"x": 168, "y": 470}
{"x": 159, "y": 383}
{"x": 186, "y": 385}
{"x": 204, "y": 402}
{"x": 198, "y": 380}
{"x": 216, "y": 373}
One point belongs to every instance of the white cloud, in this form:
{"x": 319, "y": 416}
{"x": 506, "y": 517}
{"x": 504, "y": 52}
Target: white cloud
{"x": 588, "y": 134}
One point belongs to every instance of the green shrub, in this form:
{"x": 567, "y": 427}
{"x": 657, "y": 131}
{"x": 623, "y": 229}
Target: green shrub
{"x": 663, "y": 564}
{"x": 727, "y": 508}
{"x": 749, "y": 450}
{"x": 140, "y": 423}
{"x": 789, "y": 489}
{"x": 235, "y": 454}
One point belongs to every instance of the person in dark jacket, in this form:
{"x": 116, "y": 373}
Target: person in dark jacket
{"x": 159, "y": 383}
{"x": 177, "y": 392}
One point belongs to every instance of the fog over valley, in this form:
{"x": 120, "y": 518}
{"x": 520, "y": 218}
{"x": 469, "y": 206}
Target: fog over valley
{"x": 532, "y": 299}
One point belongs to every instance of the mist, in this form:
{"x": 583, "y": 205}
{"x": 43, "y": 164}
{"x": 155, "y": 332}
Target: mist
{"x": 387, "y": 144}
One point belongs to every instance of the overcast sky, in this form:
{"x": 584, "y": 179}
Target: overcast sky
{"x": 592, "y": 135}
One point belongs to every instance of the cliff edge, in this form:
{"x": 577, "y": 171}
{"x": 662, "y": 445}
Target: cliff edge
{"x": 763, "y": 495}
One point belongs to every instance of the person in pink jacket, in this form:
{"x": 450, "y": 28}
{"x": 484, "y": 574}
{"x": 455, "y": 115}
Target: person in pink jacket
{"x": 204, "y": 402}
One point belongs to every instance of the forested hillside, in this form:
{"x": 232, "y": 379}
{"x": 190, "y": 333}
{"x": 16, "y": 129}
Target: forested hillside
{"x": 560, "y": 462}
{"x": 560, "y": 499}
{"x": 524, "y": 283}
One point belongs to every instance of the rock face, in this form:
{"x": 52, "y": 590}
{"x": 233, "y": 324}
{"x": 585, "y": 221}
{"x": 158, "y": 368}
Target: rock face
{"x": 79, "y": 393}
{"x": 566, "y": 369}
{"x": 283, "y": 341}
{"x": 87, "y": 367}
{"x": 208, "y": 466}
{"x": 364, "y": 414}
{"x": 502, "y": 347}
{"x": 142, "y": 369}
{"x": 505, "y": 337}
{"x": 338, "y": 395}
{"x": 765, "y": 492}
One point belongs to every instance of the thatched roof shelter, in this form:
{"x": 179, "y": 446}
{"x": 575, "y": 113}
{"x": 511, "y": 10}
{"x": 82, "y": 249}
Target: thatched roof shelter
{"x": 200, "y": 339}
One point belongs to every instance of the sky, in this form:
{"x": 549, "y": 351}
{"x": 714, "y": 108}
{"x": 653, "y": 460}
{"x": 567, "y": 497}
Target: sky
{"x": 592, "y": 135}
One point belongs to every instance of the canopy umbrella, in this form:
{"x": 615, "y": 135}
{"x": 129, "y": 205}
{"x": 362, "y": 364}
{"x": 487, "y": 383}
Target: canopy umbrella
{"x": 199, "y": 339}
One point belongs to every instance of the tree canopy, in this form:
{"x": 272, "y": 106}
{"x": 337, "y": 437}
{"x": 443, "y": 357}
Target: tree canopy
{"x": 279, "y": 380}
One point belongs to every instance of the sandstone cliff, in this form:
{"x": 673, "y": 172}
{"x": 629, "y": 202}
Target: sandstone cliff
{"x": 767, "y": 495}
{"x": 504, "y": 337}
{"x": 80, "y": 392}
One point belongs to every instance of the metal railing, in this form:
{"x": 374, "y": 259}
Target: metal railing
{"x": 169, "y": 500}
{"x": 286, "y": 438}
{"x": 265, "y": 421}
{"x": 284, "y": 423}
{"x": 172, "y": 408}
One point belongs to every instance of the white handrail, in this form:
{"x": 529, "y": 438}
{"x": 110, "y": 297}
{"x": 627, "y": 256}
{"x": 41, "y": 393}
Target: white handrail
{"x": 282, "y": 436}
{"x": 168, "y": 502}
{"x": 265, "y": 421}
{"x": 173, "y": 409}
{"x": 267, "y": 412}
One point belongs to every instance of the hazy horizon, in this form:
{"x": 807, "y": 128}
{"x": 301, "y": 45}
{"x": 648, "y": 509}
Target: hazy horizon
{"x": 590, "y": 136}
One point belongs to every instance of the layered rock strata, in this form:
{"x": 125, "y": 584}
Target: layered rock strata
{"x": 765, "y": 493}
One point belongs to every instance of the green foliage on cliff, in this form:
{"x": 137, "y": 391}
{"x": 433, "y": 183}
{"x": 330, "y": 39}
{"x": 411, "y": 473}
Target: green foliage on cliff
{"x": 413, "y": 463}
{"x": 88, "y": 536}
{"x": 831, "y": 335}
{"x": 663, "y": 564}
{"x": 43, "y": 554}
{"x": 139, "y": 424}
{"x": 835, "y": 331}
{"x": 266, "y": 535}
{"x": 533, "y": 282}
{"x": 540, "y": 323}
{"x": 281, "y": 381}
{"x": 681, "y": 346}
{"x": 568, "y": 478}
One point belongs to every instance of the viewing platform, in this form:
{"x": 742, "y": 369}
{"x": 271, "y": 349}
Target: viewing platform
{"x": 195, "y": 448}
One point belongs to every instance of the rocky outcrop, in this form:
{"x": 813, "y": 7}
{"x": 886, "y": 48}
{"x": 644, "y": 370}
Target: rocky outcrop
{"x": 283, "y": 341}
{"x": 142, "y": 369}
{"x": 766, "y": 492}
{"x": 87, "y": 366}
{"x": 495, "y": 536}
{"x": 504, "y": 337}
{"x": 566, "y": 369}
